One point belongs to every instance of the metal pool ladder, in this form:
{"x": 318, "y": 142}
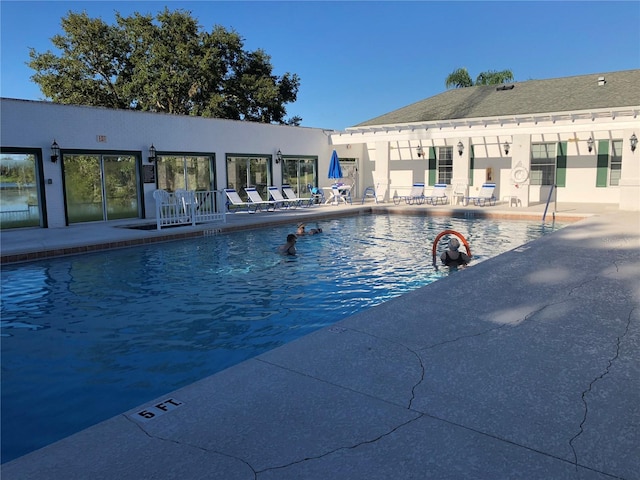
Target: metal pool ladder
{"x": 544, "y": 215}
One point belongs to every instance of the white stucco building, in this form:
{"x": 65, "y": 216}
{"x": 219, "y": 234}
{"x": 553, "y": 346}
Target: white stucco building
{"x": 576, "y": 133}
{"x": 573, "y": 134}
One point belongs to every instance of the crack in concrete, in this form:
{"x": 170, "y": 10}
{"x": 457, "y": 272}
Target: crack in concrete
{"x": 350, "y": 447}
{"x": 197, "y": 447}
{"x": 419, "y": 382}
{"x": 580, "y": 285}
{"x": 586, "y": 392}
{"x": 415, "y": 353}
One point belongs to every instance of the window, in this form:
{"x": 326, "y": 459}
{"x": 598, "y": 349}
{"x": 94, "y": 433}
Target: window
{"x": 543, "y": 164}
{"x": 20, "y": 200}
{"x": 615, "y": 166}
{"x": 249, "y": 171}
{"x": 300, "y": 172}
{"x": 184, "y": 172}
{"x": 100, "y": 187}
{"x": 445, "y": 165}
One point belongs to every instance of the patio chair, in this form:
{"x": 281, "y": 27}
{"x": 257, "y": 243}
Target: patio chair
{"x": 291, "y": 195}
{"x": 281, "y": 202}
{"x": 484, "y": 196}
{"x": 371, "y": 192}
{"x": 316, "y": 194}
{"x": 459, "y": 194}
{"x": 256, "y": 199}
{"x": 416, "y": 196}
{"x": 234, "y": 200}
{"x": 438, "y": 194}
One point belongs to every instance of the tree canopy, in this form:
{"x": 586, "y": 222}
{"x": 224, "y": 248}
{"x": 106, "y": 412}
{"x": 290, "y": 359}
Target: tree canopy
{"x": 163, "y": 64}
{"x": 460, "y": 78}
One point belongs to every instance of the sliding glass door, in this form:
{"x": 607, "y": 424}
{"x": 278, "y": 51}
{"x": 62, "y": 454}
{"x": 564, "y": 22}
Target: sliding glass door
{"x": 300, "y": 172}
{"x": 249, "y": 171}
{"x": 185, "y": 172}
{"x": 100, "y": 187}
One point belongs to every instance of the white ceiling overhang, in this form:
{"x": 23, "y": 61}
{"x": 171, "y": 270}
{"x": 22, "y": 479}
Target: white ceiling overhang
{"x": 583, "y": 120}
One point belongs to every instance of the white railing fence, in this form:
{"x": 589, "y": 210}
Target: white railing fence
{"x": 186, "y": 207}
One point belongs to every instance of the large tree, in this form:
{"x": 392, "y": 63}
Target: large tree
{"x": 162, "y": 64}
{"x": 460, "y": 78}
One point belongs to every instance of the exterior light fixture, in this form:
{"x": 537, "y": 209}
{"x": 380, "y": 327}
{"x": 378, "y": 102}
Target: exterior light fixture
{"x": 278, "y": 156}
{"x": 55, "y": 152}
{"x": 152, "y": 153}
{"x": 506, "y": 147}
{"x": 634, "y": 142}
{"x": 420, "y": 151}
{"x": 590, "y": 144}
{"x": 460, "y": 148}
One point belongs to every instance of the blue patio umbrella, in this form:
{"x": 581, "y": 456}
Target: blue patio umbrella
{"x": 334, "y": 167}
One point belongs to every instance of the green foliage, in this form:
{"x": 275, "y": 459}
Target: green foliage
{"x": 460, "y": 78}
{"x": 492, "y": 77}
{"x": 162, "y": 64}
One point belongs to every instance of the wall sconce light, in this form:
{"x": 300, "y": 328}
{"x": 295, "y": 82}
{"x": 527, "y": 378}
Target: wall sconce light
{"x": 55, "y": 152}
{"x": 460, "y": 148}
{"x": 420, "y": 151}
{"x": 152, "y": 153}
{"x": 506, "y": 147}
{"x": 590, "y": 144}
{"x": 278, "y": 156}
{"x": 634, "y": 142}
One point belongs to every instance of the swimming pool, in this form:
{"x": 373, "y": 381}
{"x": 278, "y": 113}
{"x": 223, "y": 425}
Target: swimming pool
{"x": 87, "y": 337}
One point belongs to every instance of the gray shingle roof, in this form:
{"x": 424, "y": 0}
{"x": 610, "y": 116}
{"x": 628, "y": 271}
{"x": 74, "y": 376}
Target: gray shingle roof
{"x": 621, "y": 89}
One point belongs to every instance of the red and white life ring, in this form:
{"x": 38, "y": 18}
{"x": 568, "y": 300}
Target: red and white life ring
{"x": 449, "y": 232}
{"x": 519, "y": 174}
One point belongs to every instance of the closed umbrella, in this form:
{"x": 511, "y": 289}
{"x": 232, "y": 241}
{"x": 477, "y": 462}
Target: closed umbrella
{"x": 334, "y": 167}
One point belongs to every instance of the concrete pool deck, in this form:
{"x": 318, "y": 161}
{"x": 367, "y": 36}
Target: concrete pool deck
{"x": 523, "y": 366}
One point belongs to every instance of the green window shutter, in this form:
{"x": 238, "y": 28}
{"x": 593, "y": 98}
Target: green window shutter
{"x": 561, "y": 165}
{"x": 603, "y": 163}
{"x": 471, "y": 166}
{"x": 432, "y": 165}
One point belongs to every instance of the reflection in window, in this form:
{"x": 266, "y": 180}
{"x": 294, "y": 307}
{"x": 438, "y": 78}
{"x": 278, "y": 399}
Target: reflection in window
{"x": 616, "y": 162}
{"x": 19, "y": 203}
{"x": 100, "y": 187}
{"x": 445, "y": 164}
{"x": 184, "y": 172}
{"x": 543, "y": 164}
{"x": 249, "y": 171}
{"x": 300, "y": 172}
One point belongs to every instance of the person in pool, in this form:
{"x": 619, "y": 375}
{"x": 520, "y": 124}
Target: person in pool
{"x": 289, "y": 248}
{"x": 301, "y": 230}
{"x": 452, "y": 257}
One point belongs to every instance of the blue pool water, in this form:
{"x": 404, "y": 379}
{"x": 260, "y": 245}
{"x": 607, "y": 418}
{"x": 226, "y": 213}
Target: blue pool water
{"x": 87, "y": 337}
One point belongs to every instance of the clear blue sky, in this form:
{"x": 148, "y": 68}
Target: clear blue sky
{"x": 358, "y": 60}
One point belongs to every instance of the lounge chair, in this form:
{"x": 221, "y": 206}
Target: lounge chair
{"x": 281, "y": 202}
{"x": 484, "y": 196}
{"x": 416, "y": 196}
{"x": 256, "y": 199}
{"x": 291, "y": 195}
{"x": 234, "y": 200}
{"x": 438, "y": 195}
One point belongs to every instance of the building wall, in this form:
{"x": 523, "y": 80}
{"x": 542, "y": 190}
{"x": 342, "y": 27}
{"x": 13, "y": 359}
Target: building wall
{"x": 488, "y": 136}
{"x": 30, "y": 124}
